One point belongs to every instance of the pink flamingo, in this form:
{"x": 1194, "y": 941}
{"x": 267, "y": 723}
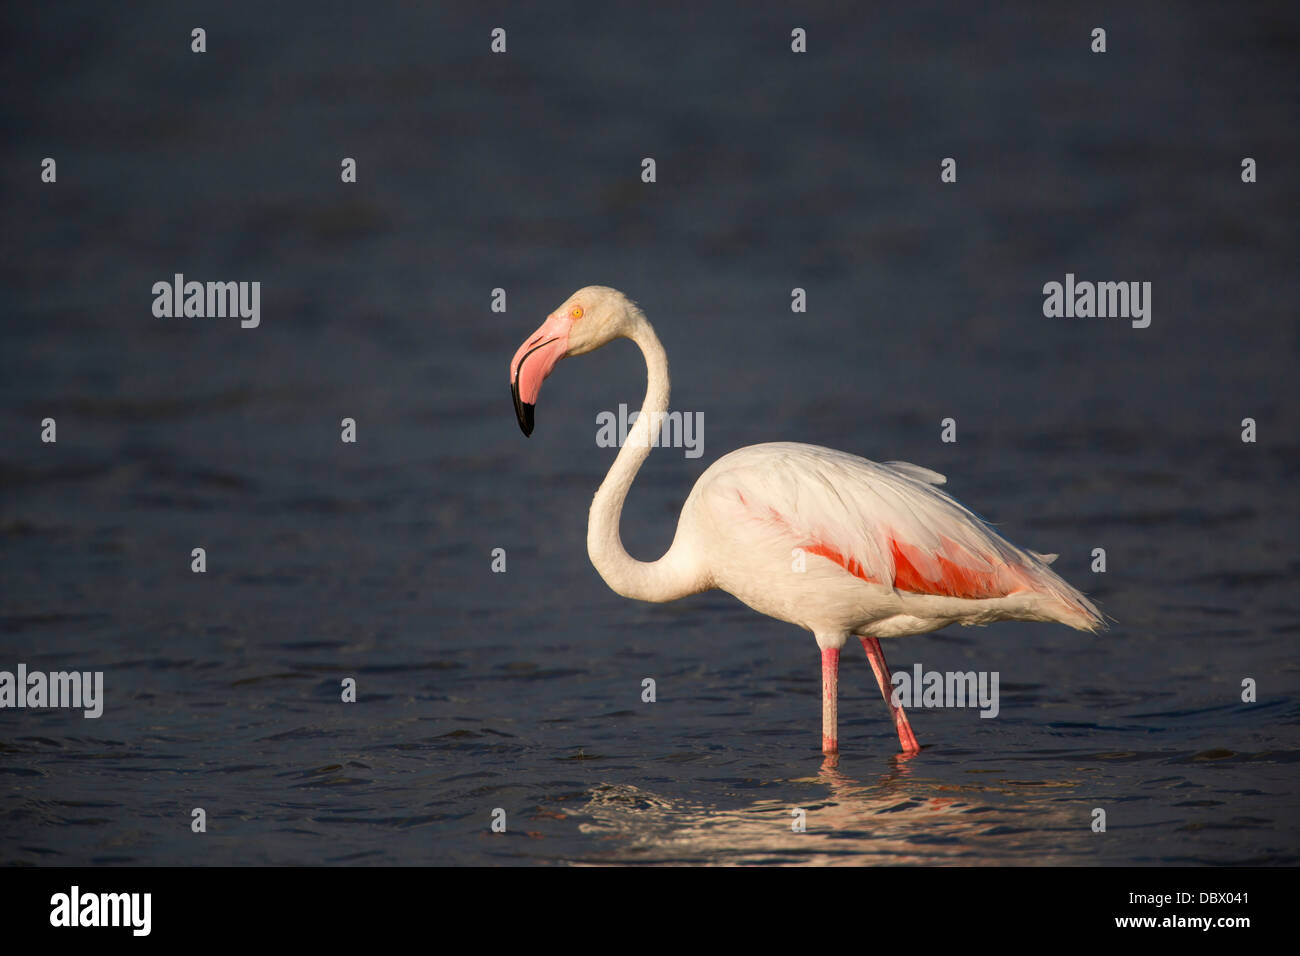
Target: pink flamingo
{"x": 831, "y": 542}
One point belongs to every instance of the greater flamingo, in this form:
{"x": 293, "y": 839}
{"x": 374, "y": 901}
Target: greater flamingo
{"x": 831, "y": 542}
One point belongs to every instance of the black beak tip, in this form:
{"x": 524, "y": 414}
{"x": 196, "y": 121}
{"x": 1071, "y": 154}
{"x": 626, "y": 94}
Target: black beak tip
{"x": 523, "y": 410}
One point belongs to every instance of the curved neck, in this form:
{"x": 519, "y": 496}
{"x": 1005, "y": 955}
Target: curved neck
{"x": 674, "y": 575}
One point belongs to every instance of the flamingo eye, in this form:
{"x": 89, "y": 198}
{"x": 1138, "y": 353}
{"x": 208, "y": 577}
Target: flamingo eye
{"x": 576, "y": 312}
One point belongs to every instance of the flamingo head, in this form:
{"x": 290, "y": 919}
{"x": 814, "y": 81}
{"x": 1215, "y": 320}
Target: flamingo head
{"x": 588, "y": 319}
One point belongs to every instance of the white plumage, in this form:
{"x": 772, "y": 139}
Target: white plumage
{"x": 762, "y": 502}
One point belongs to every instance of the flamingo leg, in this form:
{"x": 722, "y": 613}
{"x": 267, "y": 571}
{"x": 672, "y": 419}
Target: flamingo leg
{"x": 906, "y": 738}
{"x": 830, "y": 700}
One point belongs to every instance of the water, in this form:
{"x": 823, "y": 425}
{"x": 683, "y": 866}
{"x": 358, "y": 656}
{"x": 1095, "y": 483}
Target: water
{"x": 522, "y": 691}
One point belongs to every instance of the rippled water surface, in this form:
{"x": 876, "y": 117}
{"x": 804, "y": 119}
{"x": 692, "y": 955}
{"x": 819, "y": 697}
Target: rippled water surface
{"x": 522, "y": 690}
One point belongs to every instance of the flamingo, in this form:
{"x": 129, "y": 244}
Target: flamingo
{"x": 836, "y": 544}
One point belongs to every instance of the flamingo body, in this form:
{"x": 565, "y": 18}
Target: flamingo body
{"x": 885, "y": 553}
{"x": 836, "y": 544}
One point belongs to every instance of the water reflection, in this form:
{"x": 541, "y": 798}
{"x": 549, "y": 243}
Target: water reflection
{"x": 899, "y": 818}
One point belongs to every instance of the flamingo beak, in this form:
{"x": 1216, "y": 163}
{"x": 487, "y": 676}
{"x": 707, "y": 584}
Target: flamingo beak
{"x": 532, "y": 363}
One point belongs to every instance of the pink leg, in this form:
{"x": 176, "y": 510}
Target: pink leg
{"x": 877, "y": 657}
{"x": 830, "y": 699}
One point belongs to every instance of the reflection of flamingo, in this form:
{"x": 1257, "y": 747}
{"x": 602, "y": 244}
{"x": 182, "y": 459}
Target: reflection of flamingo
{"x": 898, "y": 819}
{"x": 831, "y": 542}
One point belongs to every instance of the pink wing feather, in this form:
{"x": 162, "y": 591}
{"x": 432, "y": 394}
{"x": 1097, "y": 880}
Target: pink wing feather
{"x": 886, "y": 523}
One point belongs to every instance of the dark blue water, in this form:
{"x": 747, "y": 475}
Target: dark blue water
{"x": 522, "y": 690}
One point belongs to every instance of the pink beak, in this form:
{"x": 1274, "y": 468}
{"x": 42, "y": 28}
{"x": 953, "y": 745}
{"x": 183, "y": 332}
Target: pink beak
{"x": 533, "y": 362}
